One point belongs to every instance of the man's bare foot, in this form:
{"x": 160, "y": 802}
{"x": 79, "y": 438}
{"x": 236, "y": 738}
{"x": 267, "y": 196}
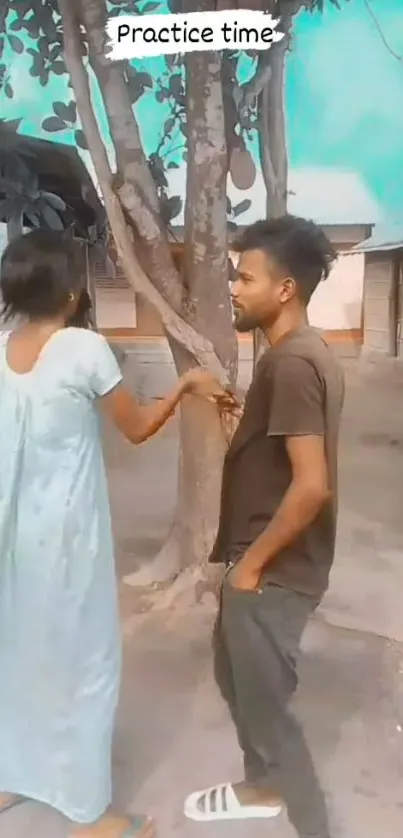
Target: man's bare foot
{"x": 113, "y": 826}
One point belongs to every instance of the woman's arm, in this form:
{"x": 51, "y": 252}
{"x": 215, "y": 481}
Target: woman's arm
{"x": 139, "y": 422}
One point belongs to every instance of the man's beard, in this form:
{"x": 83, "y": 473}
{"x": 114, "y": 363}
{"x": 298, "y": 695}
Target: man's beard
{"x": 244, "y": 323}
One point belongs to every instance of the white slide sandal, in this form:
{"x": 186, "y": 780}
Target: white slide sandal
{"x": 220, "y": 803}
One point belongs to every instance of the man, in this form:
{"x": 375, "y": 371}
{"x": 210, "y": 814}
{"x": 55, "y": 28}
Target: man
{"x": 277, "y": 525}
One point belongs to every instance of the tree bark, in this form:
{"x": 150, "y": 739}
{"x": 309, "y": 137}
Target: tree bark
{"x": 202, "y": 441}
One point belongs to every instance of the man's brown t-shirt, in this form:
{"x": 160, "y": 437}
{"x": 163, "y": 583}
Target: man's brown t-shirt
{"x": 298, "y": 389}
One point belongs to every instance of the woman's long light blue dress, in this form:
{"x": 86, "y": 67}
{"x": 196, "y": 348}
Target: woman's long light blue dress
{"x": 59, "y": 629}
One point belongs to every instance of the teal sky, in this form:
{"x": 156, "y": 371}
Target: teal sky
{"x": 344, "y": 95}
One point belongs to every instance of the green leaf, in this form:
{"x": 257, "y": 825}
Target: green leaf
{"x": 16, "y": 44}
{"x": 59, "y": 67}
{"x": 55, "y": 52}
{"x": 32, "y": 27}
{"x": 173, "y": 165}
{"x": 16, "y": 25}
{"x": 172, "y": 207}
{"x": 150, "y": 7}
{"x": 169, "y": 125}
{"x": 48, "y": 25}
{"x": 8, "y": 90}
{"x": 32, "y": 216}
{"x": 175, "y": 85}
{"x": 53, "y": 124}
{"x": 51, "y": 217}
{"x": 68, "y": 113}
{"x": 243, "y": 206}
{"x": 136, "y": 84}
{"x": 55, "y": 201}
{"x": 43, "y": 46}
{"x": 12, "y": 124}
{"x": 144, "y": 79}
{"x": 80, "y": 139}
{"x": 1, "y": 47}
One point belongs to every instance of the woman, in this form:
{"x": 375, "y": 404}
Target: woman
{"x": 59, "y": 629}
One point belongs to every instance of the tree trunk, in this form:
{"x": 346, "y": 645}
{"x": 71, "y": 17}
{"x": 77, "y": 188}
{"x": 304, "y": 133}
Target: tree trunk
{"x": 273, "y": 152}
{"x": 202, "y": 441}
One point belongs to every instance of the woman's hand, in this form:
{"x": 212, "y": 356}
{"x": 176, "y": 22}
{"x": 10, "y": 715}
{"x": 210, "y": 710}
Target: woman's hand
{"x": 199, "y": 382}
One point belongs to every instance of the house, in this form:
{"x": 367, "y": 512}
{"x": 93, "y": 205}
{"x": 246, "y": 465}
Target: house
{"x": 60, "y": 171}
{"x": 338, "y": 201}
{"x": 383, "y": 291}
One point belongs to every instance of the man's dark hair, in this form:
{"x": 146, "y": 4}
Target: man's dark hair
{"x": 38, "y": 272}
{"x": 297, "y": 245}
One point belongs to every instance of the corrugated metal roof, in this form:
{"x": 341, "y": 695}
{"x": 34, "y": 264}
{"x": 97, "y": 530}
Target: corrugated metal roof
{"x": 384, "y": 237}
{"x": 61, "y": 170}
{"x": 328, "y": 196}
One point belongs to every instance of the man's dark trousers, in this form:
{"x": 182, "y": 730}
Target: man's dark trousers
{"x": 256, "y": 644}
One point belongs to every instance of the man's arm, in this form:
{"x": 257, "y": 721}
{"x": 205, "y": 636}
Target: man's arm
{"x": 297, "y": 415}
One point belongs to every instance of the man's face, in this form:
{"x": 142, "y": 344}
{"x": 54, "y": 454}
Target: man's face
{"x": 258, "y": 292}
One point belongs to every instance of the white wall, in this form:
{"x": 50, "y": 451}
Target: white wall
{"x": 116, "y": 308}
{"x": 337, "y": 302}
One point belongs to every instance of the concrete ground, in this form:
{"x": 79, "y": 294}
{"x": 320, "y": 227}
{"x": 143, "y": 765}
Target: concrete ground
{"x": 173, "y": 735}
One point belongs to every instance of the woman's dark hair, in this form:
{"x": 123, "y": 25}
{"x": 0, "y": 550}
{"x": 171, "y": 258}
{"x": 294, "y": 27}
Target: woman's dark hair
{"x": 83, "y": 316}
{"x": 38, "y": 272}
{"x": 297, "y": 245}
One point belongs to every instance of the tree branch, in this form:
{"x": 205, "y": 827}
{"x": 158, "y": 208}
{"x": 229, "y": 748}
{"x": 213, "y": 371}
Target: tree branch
{"x": 249, "y": 93}
{"x": 201, "y": 349}
{"x": 206, "y": 232}
{"x": 381, "y": 32}
{"x": 139, "y": 196}
{"x": 4, "y": 9}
